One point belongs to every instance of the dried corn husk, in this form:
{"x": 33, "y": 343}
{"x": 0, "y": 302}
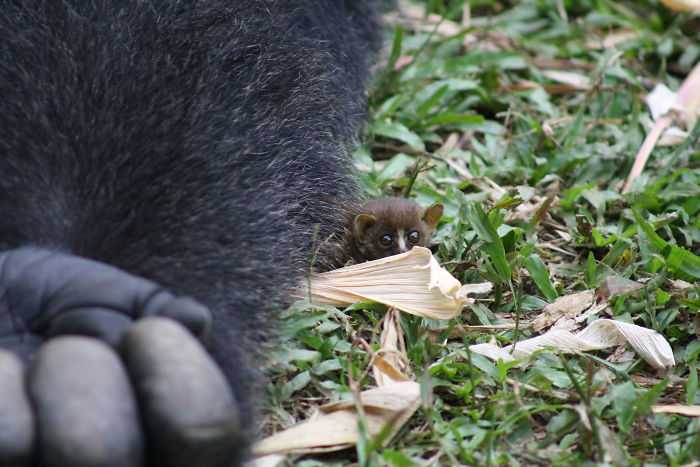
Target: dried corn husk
{"x": 678, "y": 409}
{"x": 334, "y": 427}
{"x": 601, "y": 334}
{"x": 389, "y": 364}
{"x": 692, "y": 6}
{"x": 567, "y": 306}
{"x": 413, "y": 282}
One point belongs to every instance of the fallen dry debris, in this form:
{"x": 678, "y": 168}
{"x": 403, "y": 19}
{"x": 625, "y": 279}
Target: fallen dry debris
{"x": 680, "y": 284}
{"x": 692, "y": 6}
{"x": 666, "y": 108}
{"x": 413, "y": 282}
{"x": 678, "y": 409}
{"x": 389, "y": 364}
{"x": 616, "y": 285}
{"x": 611, "y": 40}
{"x": 414, "y": 17}
{"x": 576, "y": 81}
{"x": 335, "y": 426}
{"x": 567, "y": 306}
{"x": 600, "y": 334}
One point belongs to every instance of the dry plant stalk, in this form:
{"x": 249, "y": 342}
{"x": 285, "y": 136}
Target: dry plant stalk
{"x": 683, "y": 106}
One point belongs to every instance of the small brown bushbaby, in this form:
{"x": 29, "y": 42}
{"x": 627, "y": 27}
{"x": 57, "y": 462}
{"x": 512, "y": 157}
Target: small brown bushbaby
{"x": 389, "y": 226}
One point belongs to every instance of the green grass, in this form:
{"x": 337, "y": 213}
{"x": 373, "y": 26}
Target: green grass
{"x": 574, "y": 149}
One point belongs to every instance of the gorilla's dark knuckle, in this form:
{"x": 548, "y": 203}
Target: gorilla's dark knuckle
{"x": 190, "y": 313}
{"x": 85, "y": 408}
{"x": 99, "y": 323}
{"x": 189, "y": 409}
{"x": 53, "y": 294}
{"x": 16, "y": 417}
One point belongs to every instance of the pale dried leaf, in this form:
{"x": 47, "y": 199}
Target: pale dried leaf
{"x": 273, "y": 460}
{"x": 612, "y": 40}
{"x": 580, "y": 410}
{"x": 389, "y": 363}
{"x": 601, "y": 334}
{"x": 335, "y": 426}
{"x": 685, "y": 103}
{"x": 660, "y": 101}
{"x": 592, "y": 311}
{"x": 551, "y": 89}
{"x": 492, "y": 351}
{"x": 673, "y": 136}
{"x": 616, "y": 285}
{"x": 568, "y": 306}
{"x": 678, "y": 409}
{"x": 413, "y": 282}
{"x": 386, "y": 371}
{"x": 692, "y": 6}
{"x": 414, "y": 16}
{"x": 567, "y": 324}
{"x": 688, "y": 97}
{"x": 570, "y": 78}
{"x": 474, "y": 289}
{"x": 613, "y": 452}
{"x": 681, "y": 284}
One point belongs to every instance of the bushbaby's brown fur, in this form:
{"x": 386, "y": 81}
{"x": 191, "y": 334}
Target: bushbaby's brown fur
{"x": 389, "y": 226}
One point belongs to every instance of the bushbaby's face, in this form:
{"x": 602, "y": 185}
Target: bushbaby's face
{"x": 390, "y": 226}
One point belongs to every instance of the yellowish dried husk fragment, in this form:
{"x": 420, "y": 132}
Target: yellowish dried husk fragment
{"x": 334, "y": 427}
{"x": 600, "y": 334}
{"x": 413, "y": 282}
{"x": 692, "y": 6}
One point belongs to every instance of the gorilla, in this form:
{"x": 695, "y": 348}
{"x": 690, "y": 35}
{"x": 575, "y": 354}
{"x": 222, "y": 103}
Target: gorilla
{"x": 166, "y": 167}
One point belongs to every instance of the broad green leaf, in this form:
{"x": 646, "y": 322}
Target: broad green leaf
{"x": 539, "y": 273}
{"x": 493, "y": 245}
{"x": 398, "y": 131}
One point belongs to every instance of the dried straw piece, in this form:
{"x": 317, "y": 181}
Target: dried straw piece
{"x": 334, "y": 427}
{"x": 600, "y": 334}
{"x": 692, "y": 6}
{"x": 413, "y": 282}
{"x": 666, "y": 108}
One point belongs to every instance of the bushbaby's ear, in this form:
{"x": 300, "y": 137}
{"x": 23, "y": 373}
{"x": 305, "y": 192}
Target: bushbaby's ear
{"x": 361, "y": 224}
{"x": 432, "y": 215}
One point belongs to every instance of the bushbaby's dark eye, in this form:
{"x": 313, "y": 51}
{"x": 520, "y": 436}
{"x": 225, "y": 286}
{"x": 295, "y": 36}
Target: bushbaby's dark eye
{"x": 386, "y": 240}
{"x": 413, "y": 237}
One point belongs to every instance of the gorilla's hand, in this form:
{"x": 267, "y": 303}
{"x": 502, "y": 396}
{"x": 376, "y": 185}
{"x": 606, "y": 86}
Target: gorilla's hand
{"x": 154, "y": 398}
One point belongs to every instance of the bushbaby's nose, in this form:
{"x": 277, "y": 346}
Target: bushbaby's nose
{"x": 402, "y": 246}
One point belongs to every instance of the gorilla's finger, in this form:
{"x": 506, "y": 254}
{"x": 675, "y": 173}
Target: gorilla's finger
{"x": 16, "y": 419}
{"x": 39, "y": 286}
{"x": 189, "y": 409}
{"x": 188, "y": 312}
{"x": 99, "y": 323}
{"x": 85, "y": 408}
{"x": 22, "y": 345}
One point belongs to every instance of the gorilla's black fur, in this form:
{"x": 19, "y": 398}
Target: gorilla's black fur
{"x": 195, "y": 144}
